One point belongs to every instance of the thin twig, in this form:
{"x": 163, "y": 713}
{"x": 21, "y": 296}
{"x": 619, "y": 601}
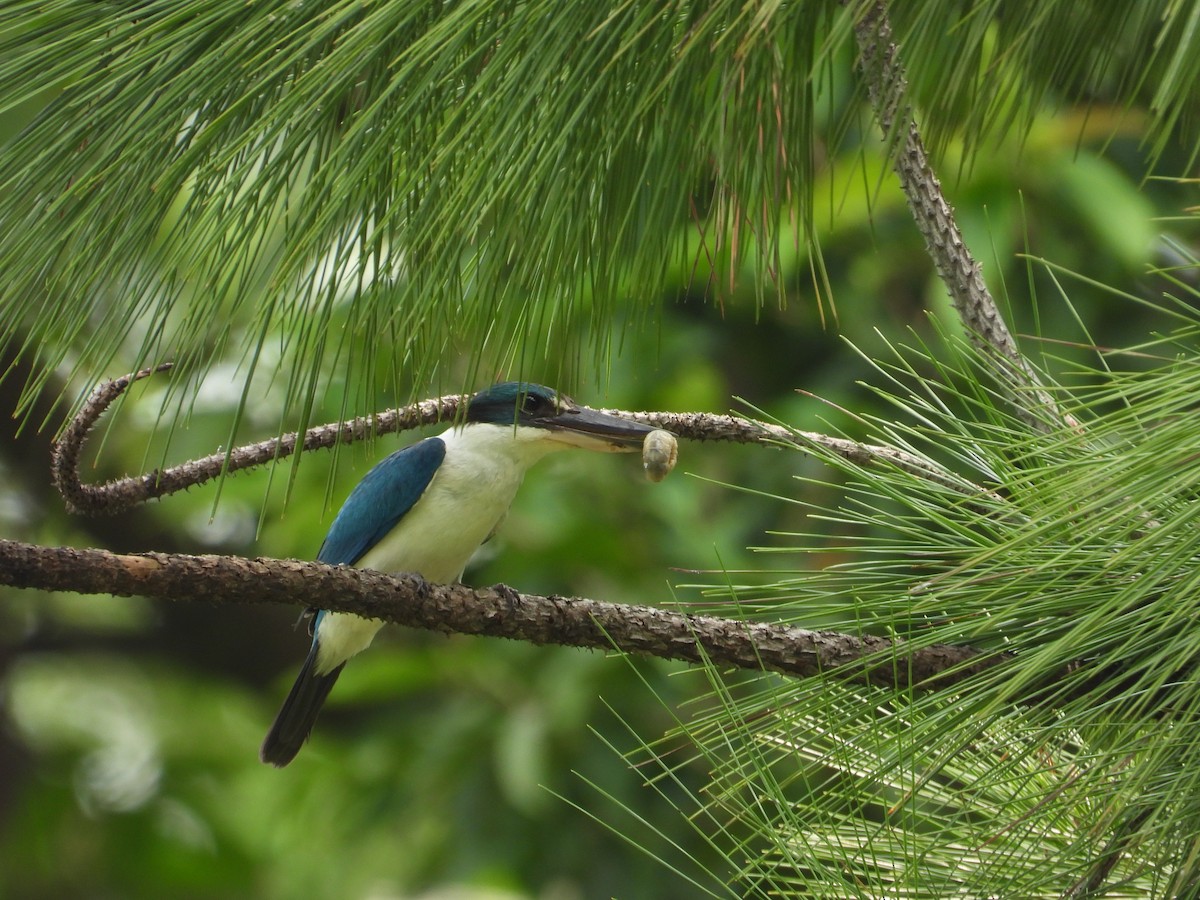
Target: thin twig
{"x": 124, "y": 493}
{"x": 497, "y": 612}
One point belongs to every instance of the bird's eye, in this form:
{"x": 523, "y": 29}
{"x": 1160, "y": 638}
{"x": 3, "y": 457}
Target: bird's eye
{"x": 533, "y": 404}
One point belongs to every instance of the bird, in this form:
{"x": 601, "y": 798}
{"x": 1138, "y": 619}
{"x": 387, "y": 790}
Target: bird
{"x": 426, "y": 509}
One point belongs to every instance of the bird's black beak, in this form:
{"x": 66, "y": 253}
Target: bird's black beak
{"x": 590, "y": 429}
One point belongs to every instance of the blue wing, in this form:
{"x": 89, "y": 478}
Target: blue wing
{"x": 373, "y": 508}
{"x": 380, "y": 500}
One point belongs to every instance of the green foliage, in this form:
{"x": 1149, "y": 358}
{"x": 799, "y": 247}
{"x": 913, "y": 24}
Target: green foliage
{"x": 326, "y": 209}
{"x": 284, "y": 185}
{"x": 428, "y": 167}
{"x": 438, "y": 760}
{"x": 1079, "y": 560}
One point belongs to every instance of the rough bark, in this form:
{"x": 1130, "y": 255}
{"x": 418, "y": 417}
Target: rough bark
{"x": 960, "y": 272}
{"x": 497, "y": 611}
{"x": 122, "y": 494}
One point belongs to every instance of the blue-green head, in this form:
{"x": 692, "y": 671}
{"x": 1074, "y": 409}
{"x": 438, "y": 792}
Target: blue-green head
{"x": 523, "y": 404}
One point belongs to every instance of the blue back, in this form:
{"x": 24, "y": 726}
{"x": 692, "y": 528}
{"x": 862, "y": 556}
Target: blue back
{"x": 380, "y": 500}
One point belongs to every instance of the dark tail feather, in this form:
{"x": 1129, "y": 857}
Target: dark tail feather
{"x": 299, "y": 712}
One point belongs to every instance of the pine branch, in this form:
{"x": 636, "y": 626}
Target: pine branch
{"x": 961, "y": 273}
{"x": 497, "y": 611}
{"x": 124, "y": 493}
{"x": 1093, "y": 883}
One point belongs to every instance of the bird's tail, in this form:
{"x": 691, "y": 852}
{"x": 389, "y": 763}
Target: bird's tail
{"x": 299, "y": 712}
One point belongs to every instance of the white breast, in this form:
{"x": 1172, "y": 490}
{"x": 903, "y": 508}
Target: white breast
{"x": 467, "y": 499}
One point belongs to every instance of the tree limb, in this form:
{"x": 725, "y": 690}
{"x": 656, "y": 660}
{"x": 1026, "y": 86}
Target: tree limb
{"x": 887, "y": 88}
{"x": 124, "y": 493}
{"x": 496, "y": 612}
{"x": 1092, "y": 884}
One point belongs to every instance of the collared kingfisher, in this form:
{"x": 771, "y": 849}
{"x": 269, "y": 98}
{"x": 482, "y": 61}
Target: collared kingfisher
{"x": 426, "y": 509}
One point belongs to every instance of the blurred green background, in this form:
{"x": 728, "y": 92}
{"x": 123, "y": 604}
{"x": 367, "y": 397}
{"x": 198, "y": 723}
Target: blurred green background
{"x": 462, "y": 767}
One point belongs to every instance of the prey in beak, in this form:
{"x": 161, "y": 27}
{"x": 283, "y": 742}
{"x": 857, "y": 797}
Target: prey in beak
{"x": 589, "y": 429}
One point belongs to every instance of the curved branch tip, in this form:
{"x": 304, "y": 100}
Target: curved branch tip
{"x": 80, "y": 498}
